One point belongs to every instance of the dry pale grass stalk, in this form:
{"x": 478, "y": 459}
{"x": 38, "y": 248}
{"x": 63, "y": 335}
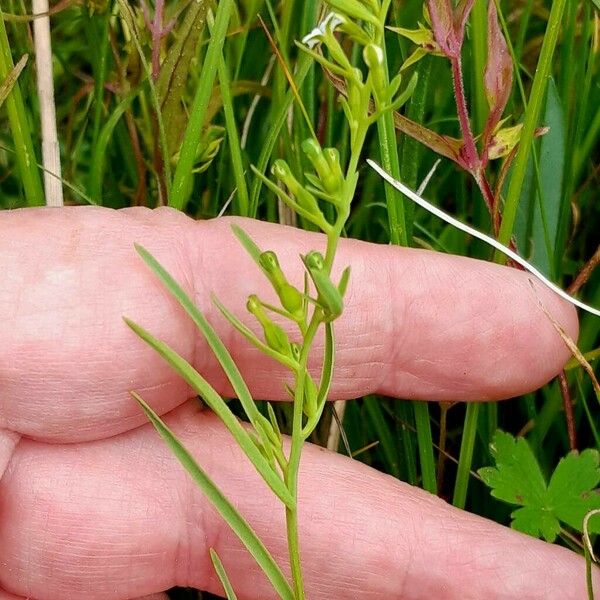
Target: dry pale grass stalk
{"x": 45, "y": 84}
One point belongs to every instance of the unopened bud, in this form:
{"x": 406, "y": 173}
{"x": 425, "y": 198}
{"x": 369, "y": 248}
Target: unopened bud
{"x": 313, "y": 151}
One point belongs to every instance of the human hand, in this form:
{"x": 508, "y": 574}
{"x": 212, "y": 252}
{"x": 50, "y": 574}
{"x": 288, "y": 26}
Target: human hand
{"x": 93, "y": 505}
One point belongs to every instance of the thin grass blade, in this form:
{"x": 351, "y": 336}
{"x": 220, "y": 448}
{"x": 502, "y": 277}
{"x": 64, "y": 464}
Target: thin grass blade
{"x": 184, "y": 172}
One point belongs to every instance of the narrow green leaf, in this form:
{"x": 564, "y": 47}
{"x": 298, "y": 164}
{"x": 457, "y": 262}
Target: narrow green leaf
{"x": 385, "y": 436}
{"x": 465, "y": 459}
{"x": 303, "y": 67}
{"x": 253, "y": 250}
{"x": 220, "y": 351}
{"x": 222, "y": 575}
{"x": 231, "y": 516}
{"x": 235, "y": 152}
{"x": 530, "y": 123}
{"x": 219, "y": 406}
{"x": 547, "y": 208}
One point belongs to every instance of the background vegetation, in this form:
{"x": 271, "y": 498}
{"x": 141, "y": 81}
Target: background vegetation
{"x": 152, "y": 110}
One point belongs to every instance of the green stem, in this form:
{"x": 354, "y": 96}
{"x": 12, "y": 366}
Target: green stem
{"x": 291, "y": 474}
{"x": 425, "y": 446}
{"x": 532, "y": 114}
{"x": 465, "y": 459}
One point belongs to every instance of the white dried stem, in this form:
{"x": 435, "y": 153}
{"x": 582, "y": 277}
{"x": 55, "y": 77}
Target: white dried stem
{"x": 45, "y": 85}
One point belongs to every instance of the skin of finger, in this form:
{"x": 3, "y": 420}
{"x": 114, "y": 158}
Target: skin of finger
{"x": 118, "y": 518}
{"x": 417, "y": 324}
{"x": 7, "y": 596}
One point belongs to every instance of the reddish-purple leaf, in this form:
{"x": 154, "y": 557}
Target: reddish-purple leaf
{"x": 442, "y": 23}
{"x": 498, "y": 72}
{"x": 461, "y": 14}
{"x": 448, "y": 24}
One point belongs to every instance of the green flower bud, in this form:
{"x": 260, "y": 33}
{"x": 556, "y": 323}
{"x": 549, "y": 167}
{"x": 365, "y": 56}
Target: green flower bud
{"x": 295, "y": 348}
{"x": 332, "y": 156}
{"x": 373, "y": 57}
{"x": 314, "y": 260}
{"x": 291, "y": 299}
{"x": 355, "y": 10}
{"x": 313, "y": 151}
{"x": 270, "y": 264}
{"x": 275, "y": 337}
{"x": 281, "y": 171}
{"x": 304, "y": 198}
{"x": 329, "y": 296}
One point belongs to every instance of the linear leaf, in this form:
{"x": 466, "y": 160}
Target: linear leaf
{"x": 251, "y": 248}
{"x": 232, "y": 517}
{"x": 219, "y": 406}
{"x": 222, "y": 575}
{"x": 220, "y": 351}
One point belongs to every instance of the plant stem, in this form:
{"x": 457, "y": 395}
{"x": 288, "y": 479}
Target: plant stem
{"x": 291, "y": 474}
{"x": 469, "y": 149}
{"x": 465, "y": 459}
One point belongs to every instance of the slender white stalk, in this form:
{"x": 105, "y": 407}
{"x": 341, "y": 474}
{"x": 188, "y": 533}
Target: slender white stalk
{"x": 481, "y": 236}
{"x": 45, "y": 85}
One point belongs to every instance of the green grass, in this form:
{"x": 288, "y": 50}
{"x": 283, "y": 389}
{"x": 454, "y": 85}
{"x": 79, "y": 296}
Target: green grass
{"x": 216, "y": 91}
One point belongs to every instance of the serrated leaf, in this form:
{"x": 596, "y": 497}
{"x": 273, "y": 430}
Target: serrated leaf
{"x": 571, "y": 491}
{"x": 535, "y": 522}
{"x": 517, "y": 479}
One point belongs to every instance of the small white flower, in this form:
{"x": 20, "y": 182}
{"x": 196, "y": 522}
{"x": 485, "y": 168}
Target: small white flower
{"x": 327, "y": 26}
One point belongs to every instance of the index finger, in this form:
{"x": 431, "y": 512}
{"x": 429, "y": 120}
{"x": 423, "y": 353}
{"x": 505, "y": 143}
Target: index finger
{"x": 417, "y": 324}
